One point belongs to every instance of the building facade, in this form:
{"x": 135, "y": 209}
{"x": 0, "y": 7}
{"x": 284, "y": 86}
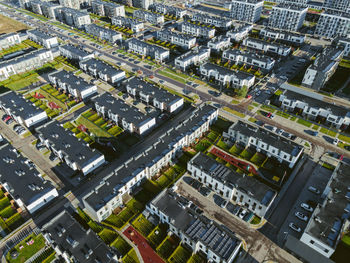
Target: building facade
{"x": 265, "y": 46}
{"x": 239, "y": 33}
{"x": 145, "y": 49}
{"x": 219, "y": 43}
{"x": 192, "y": 58}
{"x": 9, "y": 40}
{"x": 168, "y": 10}
{"x": 287, "y": 17}
{"x": 74, "y": 53}
{"x": 182, "y": 40}
{"x": 197, "y": 30}
{"x": 246, "y": 10}
{"x": 42, "y": 38}
{"x": 108, "y": 9}
{"x": 103, "y": 33}
{"x": 216, "y": 21}
{"x": 333, "y": 24}
{"x": 149, "y": 17}
{"x": 134, "y": 24}
{"x": 283, "y": 36}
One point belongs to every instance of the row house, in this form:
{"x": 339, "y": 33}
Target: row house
{"x": 103, "y": 33}
{"x": 133, "y": 24}
{"x": 266, "y": 142}
{"x": 21, "y": 110}
{"x": 197, "y": 30}
{"x": 214, "y": 242}
{"x": 107, "y": 195}
{"x": 192, "y": 58}
{"x": 74, "y": 151}
{"x": 74, "y": 53}
{"x": 42, "y": 38}
{"x": 20, "y": 179}
{"x": 282, "y": 35}
{"x": 146, "y": 49}
{"x": 231, "y": 185}
{"x": 219, "y": 43}
{"x": 182, "y": 40}
{"x": 10, "y": 39}
{"x": 249, "y": 58}
{"x": 240, "y": 32}
{"x": 168, "y": 10}
{"x": 71, "y": 84}
{"x": 102, "y": 70}
{"x": 216, "y": 21}
{"x": 156, "y": 96}
{"x": 225, "y": 76}
{"x": 149, "y": 17}
{"x": 344, "y": 43}
{"x": 266, "y": 46}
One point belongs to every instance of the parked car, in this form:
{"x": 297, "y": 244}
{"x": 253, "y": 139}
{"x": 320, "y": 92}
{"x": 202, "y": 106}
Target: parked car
{"x": 336, "y": 141}
{"x": 9, "y": 121}
{"x": 294, "y": 227}
{"x": 223, "y": 204}
{"x": 301, "y": 216}
{"x": 6, "y": 117}
{"x": 313, "y": 190}
{"x": 306, "y": 207}
{"x": 270, "y": 115}
{"x": 243, "y": 213}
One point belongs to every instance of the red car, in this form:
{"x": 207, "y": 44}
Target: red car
{"x": 7, "y": 118}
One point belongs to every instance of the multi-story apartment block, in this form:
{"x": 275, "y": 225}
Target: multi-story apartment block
{"x": 323, "y": 68}
{"x": 134, "y": 24}
{"x": 342, "y": 5}
{"x": 287, "y": 17}
{"x": 193, "y": 57}
{"x": 225, "y": 76}
{"x": 10, "y": 39}
{"x": 73, "y": 243}
{"x": 71, "y": 84}
{"x": 109, "y": 9}
{"x": 122, "y": 180}
{"x": 149, "y": 17}
{"x": 328, "y": 220}
{"x": 72, "y": 17}
{"x": 345, "y": 44}
{"x": 219, "y": 43}
{"x": 102, "y": 70}
{"x": 103, "y": 33}
{"x": 142, "y": 3}
{"x": 249, "y": 58}
{"x": 182, "y": 40}
{"x": 333, "y": 24}
{"x": 239, "y": 33}
{"x": 128, "y": 117}
{"x": 216, "y": 21}
{"x": 266, "y": 142}
{"x": 262, "y": 45}
{"x": 75, "y": 152}
{"x": 22, "y": 181}
{"x": 197, "y": 30}
{"x": 215, "y": 242}
{"x": 74, "y": 53}
{"x": 168, "y": 10}
{"x": 71, "y": 3}
{"x": 26, "y": 62}
{"x": 244, "y": 190}
{"x": 21, "y": 110}
{"x": 43, "y": 8}
{"x": 246, "y": 10}
{"x": 156, "y": 96}
{"x": 283, "y": 36}
{"x": 145, "y": 49}
{"x": 312, "y": 107}
{"x": 42, "y": 38}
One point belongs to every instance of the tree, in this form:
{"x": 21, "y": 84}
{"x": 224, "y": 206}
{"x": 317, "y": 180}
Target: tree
{"x": 242, "y": 92}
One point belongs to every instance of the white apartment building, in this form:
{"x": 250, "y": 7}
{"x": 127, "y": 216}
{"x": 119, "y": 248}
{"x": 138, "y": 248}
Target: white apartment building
{"x": 244, "y": 190}
{"x": 75, "y": 152}
{"x": 42, "y": 38}
{"x": 240, "y": 57}
{"x": 133, "y": 24}
{"x": 266, "y": 142}
{"x": 10, "y": 39}
{"x": 72, "y": 17}
{"x": 341, "y": 5}
{"x": 142, "y": 3}
{"x": 21, "y": 110}
{"x": 145, "y": 49}
{"x": 72, "y": 3}
{"x": 333, "y": 24}
{"x": 323, "y": 68}
{"x": 192, "y": 58}
{"x": 287, "y": 17}
{"x": 239, "y": 33}
{"x": 182, "y": 40}
{"x": 108, "y": 9}
{"x": 266, "y": 46}
{"x": 219, "y": 43}
{"x": 149, "y": 17}
{"x": 101, "y": 201}
{"x": 225, "y": 76}
{"x": 197, "y": 30}
{"x": 345, "y": 44}
{"x": 246, "y": 10}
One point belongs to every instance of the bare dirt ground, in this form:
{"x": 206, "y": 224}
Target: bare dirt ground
{"x": 8, "y": 25}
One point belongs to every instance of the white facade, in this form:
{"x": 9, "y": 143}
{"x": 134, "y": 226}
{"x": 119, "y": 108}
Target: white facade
{"x": 148, "y": 17}
{"x": 182, "y": 40}
{"x": 246, "y": 10}
{"x": 42, "y": 38}
{"x": 108, "y": 9}
{"x": 72, "y": 17}
{"x": 194, "y": 57}
{"x": 9, "y": 40}
{"x": 269, "y": 33}
{"x": 103, "y": 33}
{"x": 332, "y": 25}
{"x": 145, "y": 49}
{"x": 240, "y": 33}
{"x": 134, "y": 24}
{"x": 168, "y": 10}
{"x": 212, "y": 20}
{"x": 219, "y": 43}
{"x": 287, "y": 17}
{"x": 197, "y": 30}
{"x": 345, "y": 43}
{"x": 265, "y": 46}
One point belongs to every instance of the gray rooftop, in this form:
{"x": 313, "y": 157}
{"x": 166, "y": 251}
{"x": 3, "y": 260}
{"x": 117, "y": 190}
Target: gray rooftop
{"x": 325, "y": 60}
{"x": 202, "y": 27}
{"x": 147, "y": 45}
{"x": 192, "y": 53}
{"x": 207, "y": 16}
{"x": 289, "y": 7}
{"x": 328, "y": 217}
{"x": 75, "y": 50}
{"x": 102, "y": 29}
{"x": 147, "y": 88}
{"x": 63, "y": 139}
{"x": 25, "y": 57}
{"x": 264, "y": 42}
{"x": 71, "y": 80}
{"x": 24, "y": 181}
{"x": 110, "y": 186}
{"x": 176, "y": 34}
{"x": 250, "y": 55}
{"x": 226, "y": 71}
{"x": 219, "y": 39}
{"x": 101, "y": 66}
{"x": 281, "y": 31}
{"x": 4, "y": 36}
{"x": 19, "y": 105}
{"x": 40, "y": 34}
{"x": 268, "y": 137}
{"x": 198, "y": 228}
{"x": 69, "y": 235}
{"x": 252, "y": 187}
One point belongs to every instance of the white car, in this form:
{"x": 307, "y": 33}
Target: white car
{"x": 301, "y": 216}
{"x": 243, "y": 213}
{"x": 294, "y": 227}
{"x": 306, "y": 207}
{"x": 313, "y": 190}
{"x": 336, "y": 141}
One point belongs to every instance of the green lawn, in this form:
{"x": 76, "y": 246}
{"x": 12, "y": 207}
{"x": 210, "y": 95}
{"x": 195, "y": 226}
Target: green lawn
{"x": 167, "y": 247}
{"x": 202, "y": 145}
{"x": 108, "y": 236}
{"x": 251, "y": 119}
{"x": 121, "y": 245}
{"x": 346, "y": 239}
{"x": 157, "y": 235}
{"x": 256, "y": 220}
{"x": 239, "y": 114}
{"x": 315, "y": 127}
{"x": 26, "y": 251}
{"x": 268, "y": 108}
{"x": 144, "y": 226}
{"x": 131, "y": 257}
{"x": 92, "y": 127}
{"x": 247, "y": 154}
{"x": 236, "y": 150}
{"x": 344, "y": 138}
{"x": 328, "y": 132}
{"x": 180, "y": 255}
{"x": 172, "y": 76}
{"x": 222, "y": 145}
{"x": 258, "y": 159}
{"x": 304, "y": 122}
